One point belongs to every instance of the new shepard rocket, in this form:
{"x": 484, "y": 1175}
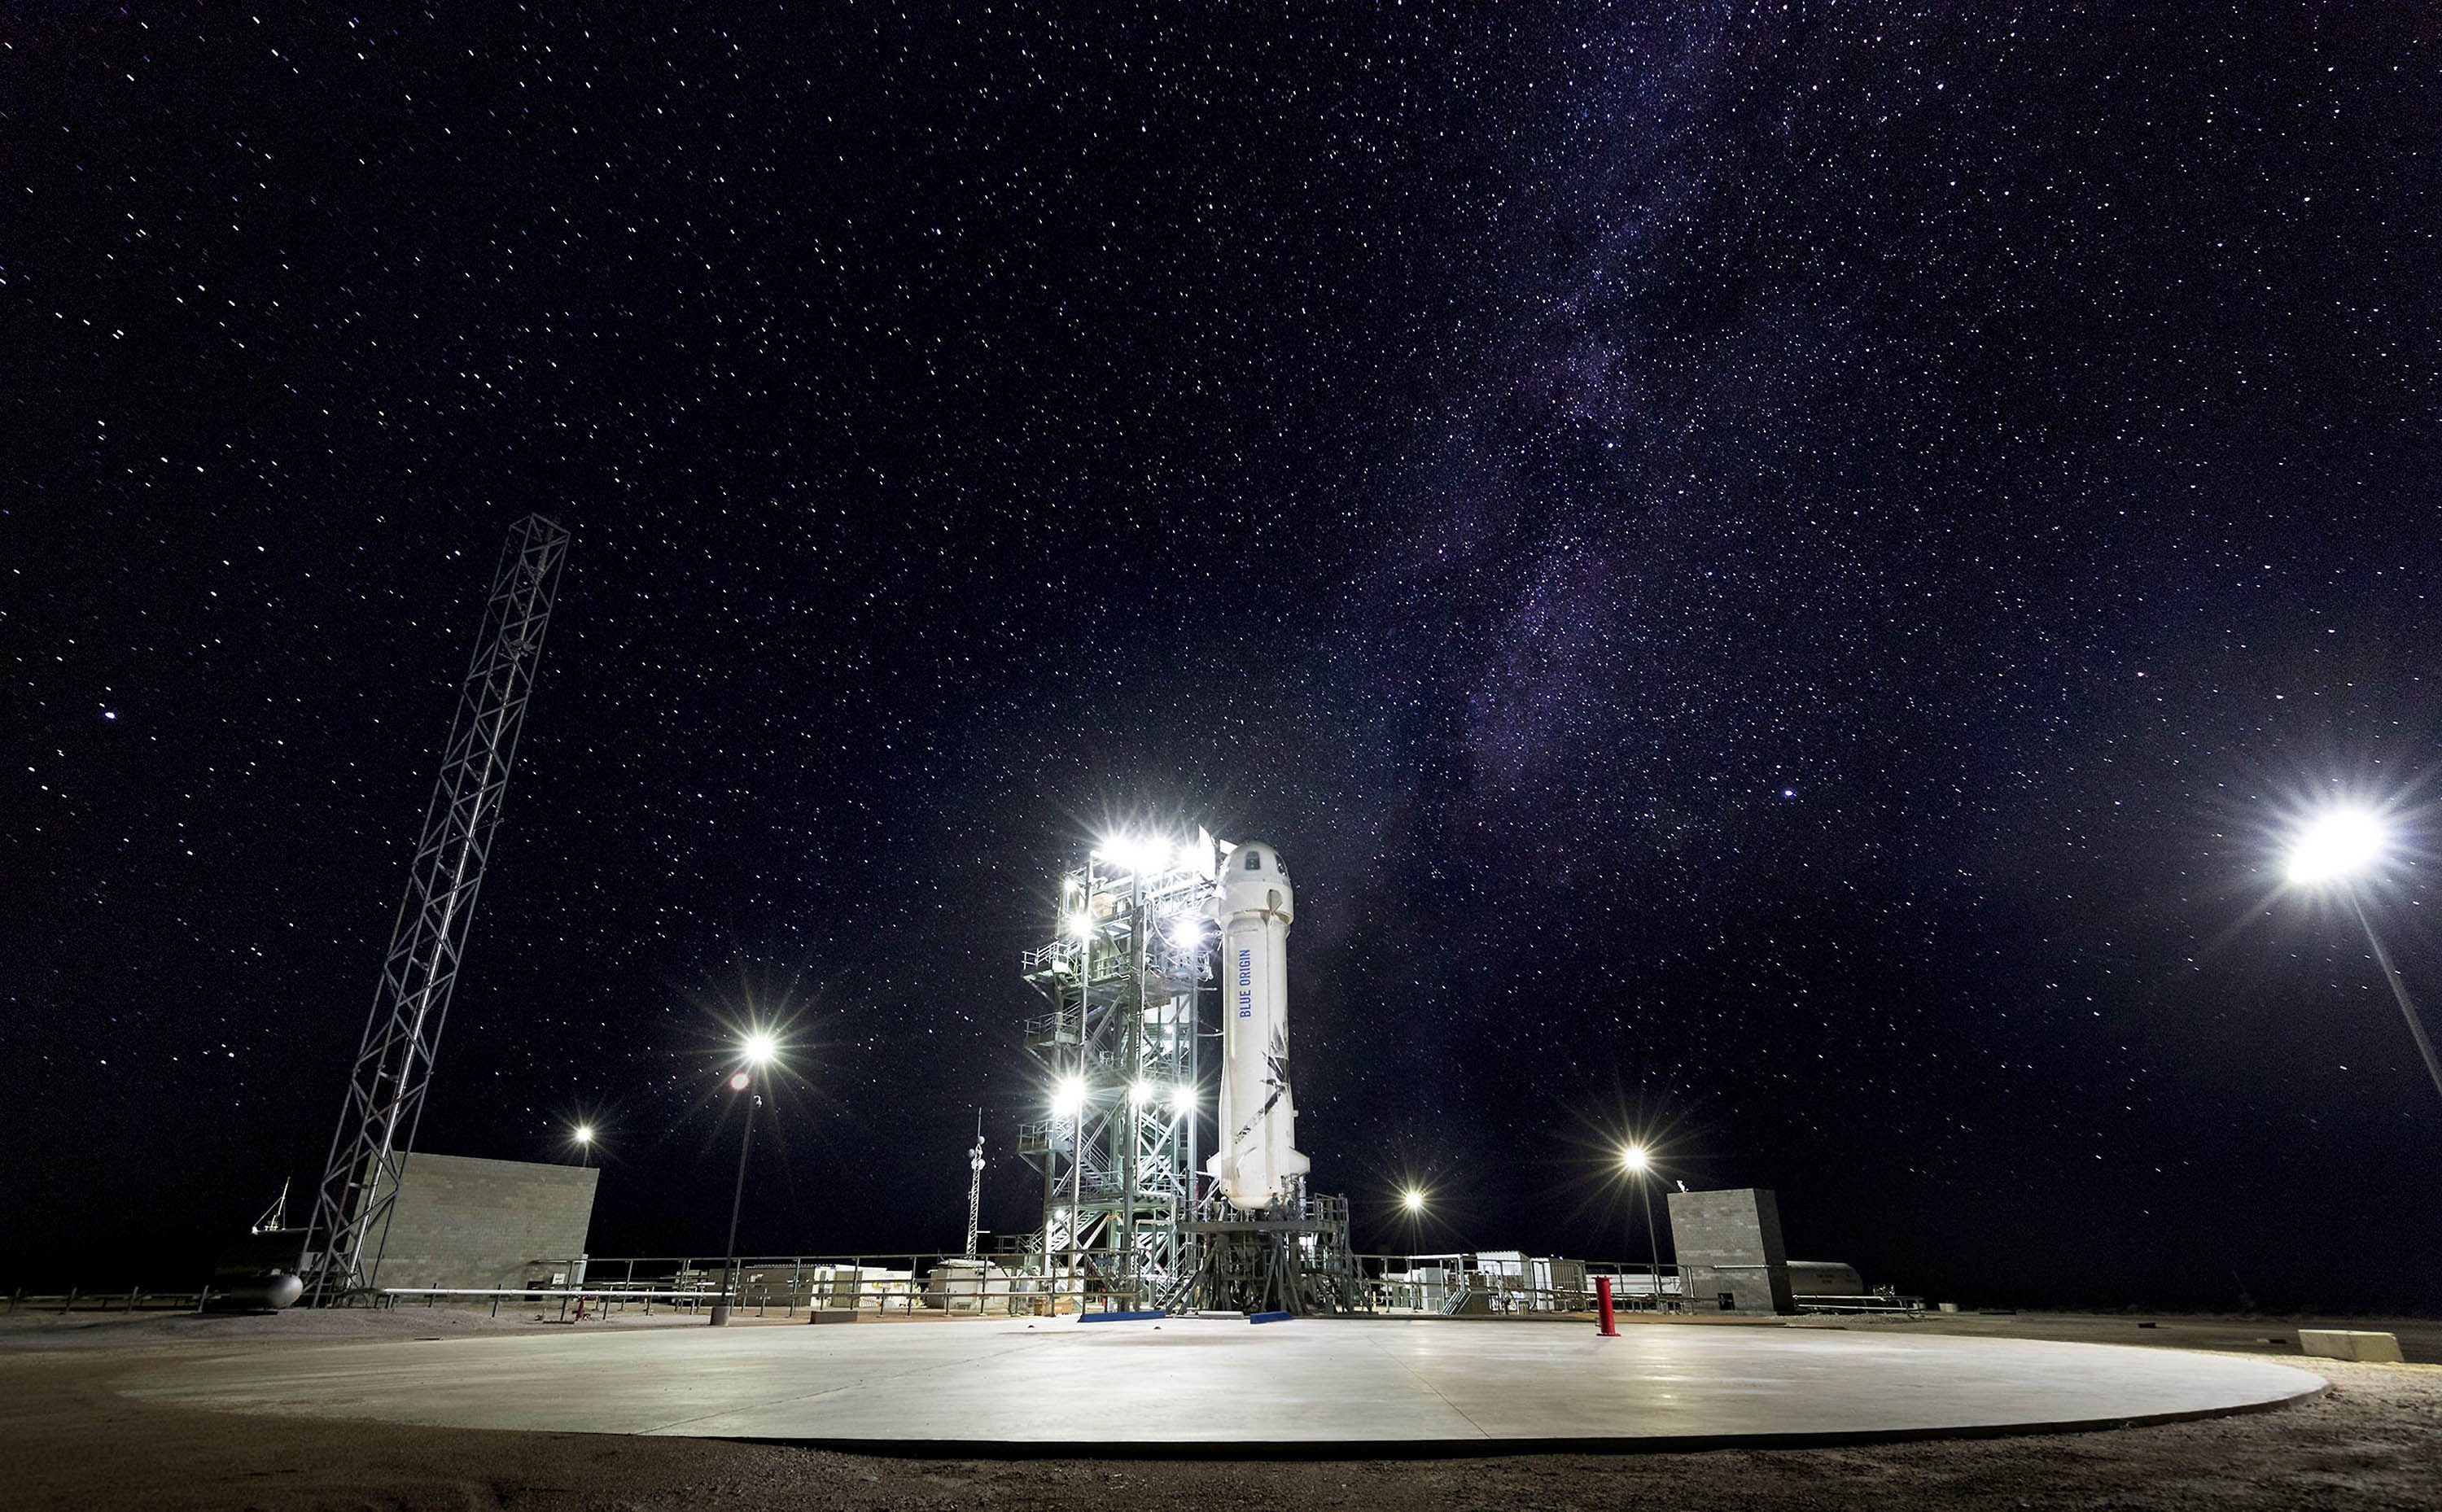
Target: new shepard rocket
{"x": 1258, "y": 1122}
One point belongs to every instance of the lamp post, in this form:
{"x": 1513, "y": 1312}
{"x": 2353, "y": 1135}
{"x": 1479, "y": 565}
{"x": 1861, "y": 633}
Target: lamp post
{"x": 583, "y": 1135}
{"x": 1636, "y": 1162}
{"x": 759, "y": 1051}
{"x": 2334, "y": 851}
{"x": 1412, "y": 1209}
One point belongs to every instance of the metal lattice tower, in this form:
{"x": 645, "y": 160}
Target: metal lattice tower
{"x": 1122, "y": 1070}
{"x": 974, "y": 1186}
{"x": 394, "y": 1067}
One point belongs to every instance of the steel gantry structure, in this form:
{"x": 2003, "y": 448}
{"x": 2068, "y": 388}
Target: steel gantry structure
{"x": 1120, "y": 1057}
{"x": 393, "y": 1065}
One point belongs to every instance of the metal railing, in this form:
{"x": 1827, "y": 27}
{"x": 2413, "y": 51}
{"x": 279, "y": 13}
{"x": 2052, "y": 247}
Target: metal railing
{"x": 584, "y": 1297}
{"x": 133, "y": 1300}
{"x": 1474, "y": 1286}
{"x": 1064, "y": 1027}
{"x": 934, "y": 1286}
{"x": 919, "y": 1286}
{"x": 907, "y": 1286}
{"x": 1879, "y": 1301}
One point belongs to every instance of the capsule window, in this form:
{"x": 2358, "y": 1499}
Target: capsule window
{"x": 1255, "y": 860}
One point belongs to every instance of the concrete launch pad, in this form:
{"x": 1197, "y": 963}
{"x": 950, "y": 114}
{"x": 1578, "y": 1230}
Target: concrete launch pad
{"x": 1206, "y": 1386}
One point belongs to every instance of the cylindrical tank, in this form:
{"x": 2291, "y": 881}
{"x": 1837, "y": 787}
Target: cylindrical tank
{"x": 1824, "y": 1278}
{"x": 259, "y": 1272}
{"x": 1258, "y": 1118}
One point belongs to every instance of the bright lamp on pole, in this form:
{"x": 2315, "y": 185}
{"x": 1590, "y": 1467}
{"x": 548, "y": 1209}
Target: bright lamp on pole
{"x": 1635, "y": 1161}
{"x": 758, "y": 1049}
{"x": 2337, "y": 847}
{"x": 2334, "y": 851}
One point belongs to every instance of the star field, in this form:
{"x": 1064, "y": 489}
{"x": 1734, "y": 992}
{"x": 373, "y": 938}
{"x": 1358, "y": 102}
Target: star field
{"x": 1772, "y": 570}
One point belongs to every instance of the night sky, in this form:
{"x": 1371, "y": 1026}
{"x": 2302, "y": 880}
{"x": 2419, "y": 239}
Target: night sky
{"x": 1773, "y": 572}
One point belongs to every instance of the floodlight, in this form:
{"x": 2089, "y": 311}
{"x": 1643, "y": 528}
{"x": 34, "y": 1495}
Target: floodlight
{"x": 1135, "y": 853}
{"x": 583, "y": 1134}
{"x": 1182, "y": 1101}
{"x": 1080, "y": 925}
{"x": 1634, "y": 1161}
{"x": 1141, "y": 1092}
{"x": 1068, "y": 1097}
{"x": 2337, "y": 847}
{"x": 1193, "y": 857}
{"x": 1412, "y": 1199}
{"x": 2334, "y": 850}
{"x": 760, "y": 1048}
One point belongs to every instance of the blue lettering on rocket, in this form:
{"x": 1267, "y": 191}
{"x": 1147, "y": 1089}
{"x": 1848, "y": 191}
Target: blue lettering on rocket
{"x": 1246, "y": 984}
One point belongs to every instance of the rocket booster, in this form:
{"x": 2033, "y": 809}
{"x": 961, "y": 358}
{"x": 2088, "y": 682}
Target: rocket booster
{"x": 1258, "y": 1121}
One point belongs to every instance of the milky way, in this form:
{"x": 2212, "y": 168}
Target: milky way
{"x": 1767, "y": 568}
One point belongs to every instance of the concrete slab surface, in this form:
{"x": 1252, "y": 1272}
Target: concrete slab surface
{"x": 1211, "y": 1386}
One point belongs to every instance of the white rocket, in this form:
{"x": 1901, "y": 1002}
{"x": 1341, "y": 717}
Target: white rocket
{"x": 1258, "y": 1122}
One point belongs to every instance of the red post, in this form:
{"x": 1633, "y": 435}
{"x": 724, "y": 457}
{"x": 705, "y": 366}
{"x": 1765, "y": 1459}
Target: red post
{"x": 1602, "y": 1307}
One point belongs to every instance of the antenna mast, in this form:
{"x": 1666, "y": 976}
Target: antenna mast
{"x": 975, "y": 1184}
{"x": 275, "y": 1216}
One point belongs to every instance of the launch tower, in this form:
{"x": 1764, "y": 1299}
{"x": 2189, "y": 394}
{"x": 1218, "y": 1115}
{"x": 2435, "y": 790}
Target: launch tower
{"x": 1131, "y": 1217}
{"x": 1121, "y": 1059}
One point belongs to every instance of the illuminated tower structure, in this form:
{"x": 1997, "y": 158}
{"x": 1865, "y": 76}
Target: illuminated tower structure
{"x": 393, "y": 1065}
{"x": 1122, "y": 1071}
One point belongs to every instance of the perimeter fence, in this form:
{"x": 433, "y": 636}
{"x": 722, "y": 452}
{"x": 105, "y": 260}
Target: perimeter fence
{"x": 133, "y": 1300}
{"x": 921, "y": 1286}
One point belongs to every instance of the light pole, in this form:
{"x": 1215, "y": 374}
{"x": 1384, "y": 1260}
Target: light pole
{"x": 759, "y": 1051}
{"x": 1412, "y": 1208}
{"x": 2334, "y": 851}
{"x": 1636, "y": 1162}
{"x": 583, "y": 1135}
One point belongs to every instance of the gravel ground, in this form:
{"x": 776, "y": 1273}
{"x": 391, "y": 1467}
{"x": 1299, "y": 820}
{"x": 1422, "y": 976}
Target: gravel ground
{"x": 68, "y": 1439}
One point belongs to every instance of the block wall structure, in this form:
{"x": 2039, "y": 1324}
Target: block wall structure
{"x": 467, "y": 1222}
{"x": 1729, "y": 1245}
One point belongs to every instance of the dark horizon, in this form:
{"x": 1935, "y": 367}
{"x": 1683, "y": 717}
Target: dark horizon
{"x": 1777, "y": 582}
